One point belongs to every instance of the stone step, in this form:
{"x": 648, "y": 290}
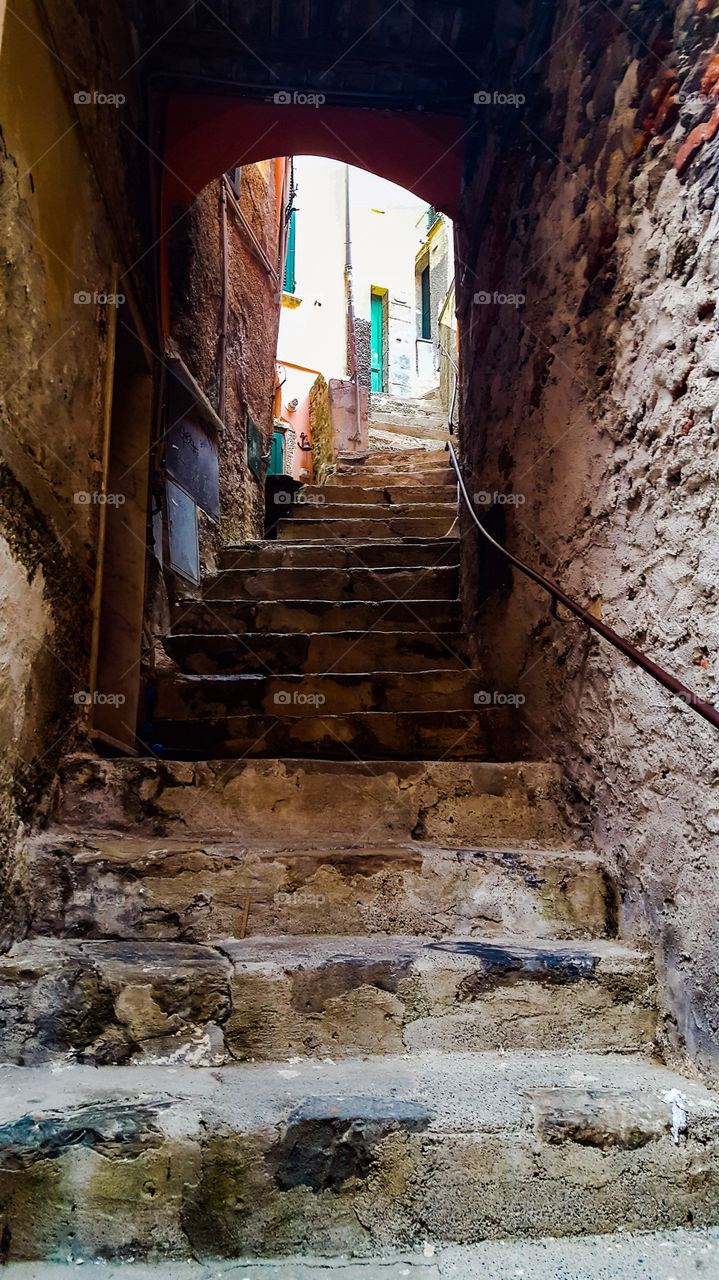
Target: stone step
{"x": 680, "y": 1254}
{"x": 338, "y": 584}
{"x": 354, "y": 995}
{"x": 408, "y": 553}
{"x": 325, "y": 801}
{"x": 119, "y": 884}
{"x": 413, "y": 428}
{"x": 264, "y": 999}
{"x": 363, "y": 735}
{"x": 332, "y": 511}
{"x": 300, "y": 696}
{"x": 355, "y": 1157}
{"x": 237, "y": 617}
{"x": 398, "y": 457}
{"x": 332, "y": 652}
{"x": 357, "y": 529}
{"x": 377, "y": 495}
{"x": 436, "y": 475}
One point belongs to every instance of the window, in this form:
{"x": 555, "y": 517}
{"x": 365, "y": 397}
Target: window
{"x": 289, "y": 280}
{"x": 432, "y": 217}
{"x": 426, "y": 314}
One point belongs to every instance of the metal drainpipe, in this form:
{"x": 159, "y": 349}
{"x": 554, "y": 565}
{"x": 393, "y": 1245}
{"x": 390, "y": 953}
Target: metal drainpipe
{"x": 222, "y": 350}
{"x": 350, "y": 311}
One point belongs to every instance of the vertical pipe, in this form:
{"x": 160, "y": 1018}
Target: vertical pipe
{"x": 109, "y": 382}
{"x": 350, "y": 311}
{"x": 222, "y": 348}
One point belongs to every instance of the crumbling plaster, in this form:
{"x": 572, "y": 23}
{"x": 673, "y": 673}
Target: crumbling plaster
{"x": 61, "y": 235}
{"x": 592, "y": 409}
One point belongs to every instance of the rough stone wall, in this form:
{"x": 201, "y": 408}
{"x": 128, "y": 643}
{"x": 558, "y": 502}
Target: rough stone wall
{"x": 592, "y": 409}
{"x": 62, "y": 228}
{"x": 363, "y": 337}
{"x": 323, "y": 453}
{"x": 253, "y": 318}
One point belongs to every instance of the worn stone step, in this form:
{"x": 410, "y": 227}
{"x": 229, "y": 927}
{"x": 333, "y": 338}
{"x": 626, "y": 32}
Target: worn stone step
{"x": 337, "y": 584}
{"x": 354, "y": 1157}
{"x": 333, "y": 652}
{"x": 421, "y": 458}
{"x": 366, "y": 735}
{"x": 417, "y": 429}
{"x": 440, "y": 474}
{"x": 264, "y": 999}
{"x": 329, "y": 510}
{"x": 336, "y": 693}
{"x": 119, "y": 884}
{"x": 682, "y": 1253}
{"x": 355, "y": 995}
{"x": 108, "y": 1001}
{"x": 407, "y": 552}
{"x": 372, "y": 494}
{"x": 291, "y": 616}
{"x": 327, "y": 801}
{"x": 391, "y": 526}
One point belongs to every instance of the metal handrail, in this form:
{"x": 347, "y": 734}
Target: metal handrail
{"x": 658, "y": 673}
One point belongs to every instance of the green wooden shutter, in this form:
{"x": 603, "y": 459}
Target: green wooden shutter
{"x": 289, "y": 281}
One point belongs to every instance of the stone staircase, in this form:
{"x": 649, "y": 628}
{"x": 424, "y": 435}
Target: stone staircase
{"x": 346, "y": 991}
{"x": 359, "y": 647}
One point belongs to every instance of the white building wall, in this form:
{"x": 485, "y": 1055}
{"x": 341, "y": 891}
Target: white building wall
{"x": 313, "y": 327}
{"x": 388, "y": 225}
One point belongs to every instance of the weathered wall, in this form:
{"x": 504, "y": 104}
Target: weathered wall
{"x": 253, "y": 318}
{"x": 61, "y": 234}
{"x": 323, "y": 453}
{"x": 595, "y": 403}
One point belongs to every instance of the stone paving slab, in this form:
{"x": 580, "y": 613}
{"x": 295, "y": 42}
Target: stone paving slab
{"x": 666, "y": 1255}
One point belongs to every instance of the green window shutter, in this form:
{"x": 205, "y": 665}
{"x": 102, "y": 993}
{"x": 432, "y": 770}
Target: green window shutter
{"x": 289, "y": 280}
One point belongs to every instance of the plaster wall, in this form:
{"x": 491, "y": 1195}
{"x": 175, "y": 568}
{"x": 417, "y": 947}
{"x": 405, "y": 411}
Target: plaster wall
{"x": 61, "y": 236}
{"x": 313, "y": 325}
{"x": 592, "y": 409}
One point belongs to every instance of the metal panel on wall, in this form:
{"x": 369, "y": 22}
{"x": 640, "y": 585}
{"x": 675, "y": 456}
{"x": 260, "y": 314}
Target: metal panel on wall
{"x": 191, "y": 458}
{"x": 182, "y": 527}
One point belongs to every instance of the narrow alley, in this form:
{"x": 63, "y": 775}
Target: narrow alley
{"x": 359, "y": 594}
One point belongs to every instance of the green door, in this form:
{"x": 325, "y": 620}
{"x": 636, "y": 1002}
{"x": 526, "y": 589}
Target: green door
{"x": 377, "y": 343}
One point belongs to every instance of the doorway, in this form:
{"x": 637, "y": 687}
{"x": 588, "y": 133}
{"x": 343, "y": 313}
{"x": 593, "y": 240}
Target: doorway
{"x": 377, "y": 328}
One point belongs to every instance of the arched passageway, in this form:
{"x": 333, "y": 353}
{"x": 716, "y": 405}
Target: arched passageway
{"x": 206, "y": 136}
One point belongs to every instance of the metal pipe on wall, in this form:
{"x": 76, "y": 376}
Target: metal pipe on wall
{"x": 350, "y": 311}
{"x": 222, "y": 346}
